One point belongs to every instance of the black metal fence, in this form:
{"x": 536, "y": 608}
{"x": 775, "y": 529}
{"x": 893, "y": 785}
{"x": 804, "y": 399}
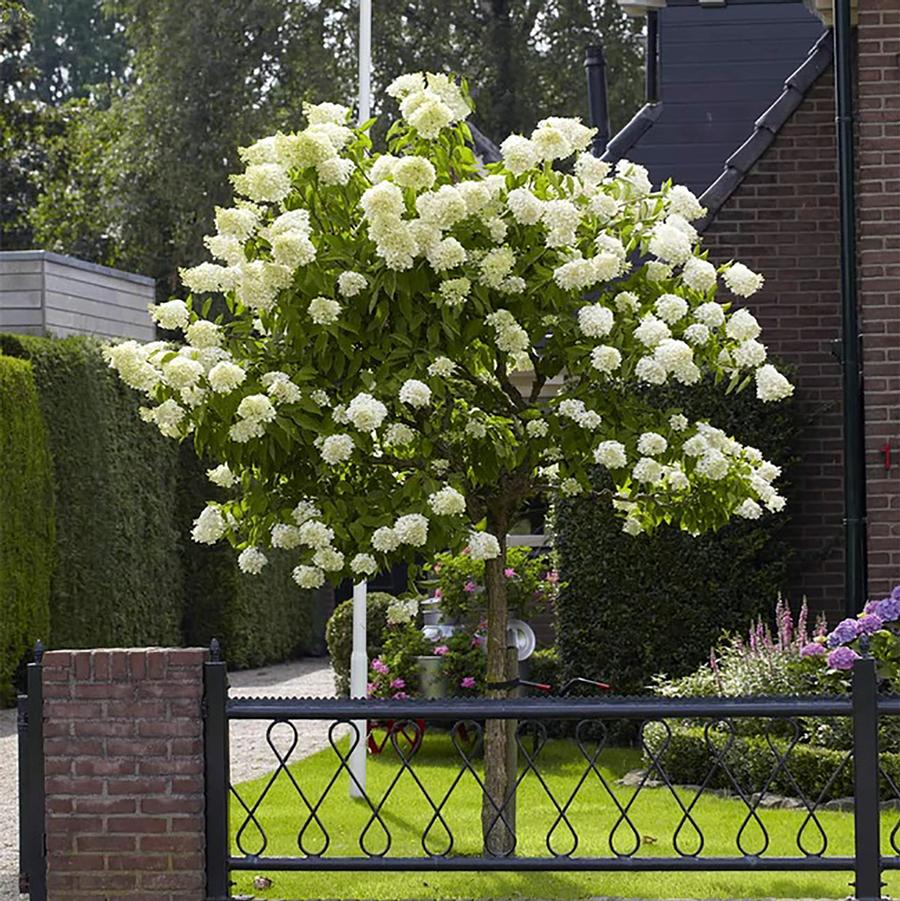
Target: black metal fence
{"x": 32, "y": 851}
{"x": 246, "y": 842}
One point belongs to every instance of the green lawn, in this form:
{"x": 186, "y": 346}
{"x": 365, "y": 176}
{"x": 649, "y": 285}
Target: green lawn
{"x": 592, "y": 813}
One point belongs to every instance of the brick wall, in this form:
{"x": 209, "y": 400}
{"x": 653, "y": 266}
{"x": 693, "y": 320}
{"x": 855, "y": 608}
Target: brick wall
{"x": 879, "y": 276}
{"x": 124, "y": 774}
{"x": 783, "y": 222}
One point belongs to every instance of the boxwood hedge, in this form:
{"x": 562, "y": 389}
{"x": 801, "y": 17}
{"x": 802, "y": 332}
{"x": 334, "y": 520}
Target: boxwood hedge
{"x": 26, "y": 520}
{"x": 636, "y": 606}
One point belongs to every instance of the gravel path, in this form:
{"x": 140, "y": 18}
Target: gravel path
{"x": 250, "y": 754}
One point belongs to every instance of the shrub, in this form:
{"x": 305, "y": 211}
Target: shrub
{"x": 634, "y": 606}
{"x": 117, "y": 579}
{"x": 544, "y": 666}
{"x": 26, "y": 520}
{"x": 339, "y": 635}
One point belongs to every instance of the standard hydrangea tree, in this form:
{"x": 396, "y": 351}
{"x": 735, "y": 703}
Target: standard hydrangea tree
{"x": 380, "y": 387}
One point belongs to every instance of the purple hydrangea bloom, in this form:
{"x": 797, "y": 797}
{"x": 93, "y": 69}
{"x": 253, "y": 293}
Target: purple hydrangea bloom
{"x": 470, "y": 587}
{"x": 441, "y": 650}
{"x": 380, "y": 667}
{"x": 888, "y": 610}
{"x": 895, "y": 593}
{"x": 813, "y": 649}
{"x": 842, "y": 658}
{"x": 398, "y": 683}
{"x": 845, "y": 631}
{"x": 869, "y": 623}
{"x": 467, "y": 682}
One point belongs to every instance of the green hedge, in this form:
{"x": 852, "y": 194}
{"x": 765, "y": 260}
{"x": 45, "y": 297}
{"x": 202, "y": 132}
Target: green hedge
{"x": 339, "y": 635}
{"x": 636, "y": 606}
{"x": 126, "y": 570}
{"x": 26, "y": 520}
{"x": 686, "y": 758}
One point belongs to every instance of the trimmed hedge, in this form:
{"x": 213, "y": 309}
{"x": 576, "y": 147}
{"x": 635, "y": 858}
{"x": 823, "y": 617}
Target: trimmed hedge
{"x": 339, "y": 635}
{"x": 26, "y": 520}
{"x": 632, "y": 607}
{"x": 127, "y": 572}
{"x": 117, "y": 580}
{"x": 686, "y": 757}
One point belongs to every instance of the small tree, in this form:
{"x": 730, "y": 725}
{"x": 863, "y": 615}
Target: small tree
{"x": 379, "y": 389}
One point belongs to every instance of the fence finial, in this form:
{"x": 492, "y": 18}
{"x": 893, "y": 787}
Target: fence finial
{"x": 215, "y": 651}
{"x": 38, "y": 651}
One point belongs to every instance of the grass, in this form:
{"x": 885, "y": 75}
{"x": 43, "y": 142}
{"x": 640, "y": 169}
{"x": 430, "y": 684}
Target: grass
{"x": 593, "y": 815}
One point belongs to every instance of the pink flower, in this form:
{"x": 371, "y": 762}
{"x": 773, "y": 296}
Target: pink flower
{"x": 438, "y": 593}
{"x": 509, "y": 572}
{"x": 380, "y": 667}
{"x": 477, "y": 642}
{"x": 470, "y": 587}
{"x": 552, "y": 577}
{"x": 398, "y": 683}
{"x": 441, "y": 649}
{"x": 371, "y": 688}
{"x": 467, "y": 682}
{"x": 400, "y": 696}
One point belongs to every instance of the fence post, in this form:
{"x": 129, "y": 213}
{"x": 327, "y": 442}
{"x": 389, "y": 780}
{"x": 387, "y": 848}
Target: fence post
{"x": 216, "y": 772}
{"x": 32, "y": 853}
{"x": 866, "y": 778}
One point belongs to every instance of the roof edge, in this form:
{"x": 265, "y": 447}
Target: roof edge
{"x": 628, "y": 136}
{"x": 766, "y": 128}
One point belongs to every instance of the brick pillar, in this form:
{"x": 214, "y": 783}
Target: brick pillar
{"x": 123, "y": 744}
{"x": 879, "y": 277}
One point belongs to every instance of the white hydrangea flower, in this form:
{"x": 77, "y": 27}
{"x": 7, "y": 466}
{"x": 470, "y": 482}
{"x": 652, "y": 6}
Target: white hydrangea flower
{"x": 293, "y": 249}
{"x": 221, "y": 475}
{"x": 364, "y": 565}
{"x": 510, "y": 336}
{"x": 678, "y": 422}
{"x": 204, "y": 334}
{"x": 603, "y": 206}
{"x": 281, "y": 388}
{"x": 339, "y": 414}
{"x": 209, "y": 526}
{"x": 537, "y": 428}
{"x": 251, "y": 561}
{"x": 575, "y": 275}
{"x": 606, "y": 358}
{"x": 398, "y": 434}
{"x": 697, "y": 334}
{"x": 519, "y": 154}
{"x": 406, "y": 84}
{"x": 315, "y": 534}
{"x": 446, "y": 254}
{"x": 263, "y": 182}
{"x": 415, "y": 393}
{"x": 129, "y": 359}
{"x": 710, "y": 314}
{"x": 670, "y": 308}
{"x": 447, "y": 502}
{"x": 256, "y": 407}
{"x": 336, "y": 449}
{"x": 525, "y": 208}
{"x": 749, "y": 509}
{"x": 351, "y": 283}
{"x": 647, "y": 470}
{"x": 696, "y": 446}
{"x": 284, "y": 535}
{"x": 611, "y": 454}
{"x": 385, "y": 540}
{"x": 443, "y": 208}
{"x": 168, "y": 417}
{"x": 571, "y": 408}
{"x": 749, "y": 354}
{"x": 245, "y": 430}
{"x": 182, "y": 372}
{"x": 402, "y": 611}
{"x": 591, "y": 169}
{"x": 366, "y": 412}
{"x": 651, "y": 331}
{"x": 713, "y": 464}
{"x": 635, "y": 176}
{"x": 771, "y": 385}
{"x": 627, "y": 302}
{"x": 657, "y": 271}
{"x": 742, "y": 281}
{"x": 237, "y": 222}
{"x": 652, "y": 444}
{"x": 325, "y": 113}
{"x": 670, "y": 243}
{"x": 324, "y": 311}
{"x": 496, "y": 265}
{"x": 682, "y": 201}
{"x": 650, "y": 371}
{"x": 475, "y": 429}
{"x": 570, "y": 487}
{"x": 411, "y": 529}
{"x": 483, "y": 546}
{"x": 454, "y": 291}
{"x": 308, "y": 577}
{"x": 699, "y": 275}
{"x": 442, "y": 367}
{"x": 383, "y": 200}
{"x": 561, "y": 219}
{"x": 632, "y": 526}
{"x": 329, "y": 559}
{"x": 173, "y": 314}
{"x": 676, "y": 479}
{"x": 742, "y": 326}
{"x": 595, "y": 321}
{"x": 305, "y": 511}
{"x": 319, "y": 397}
{"x": 590, "y": 420}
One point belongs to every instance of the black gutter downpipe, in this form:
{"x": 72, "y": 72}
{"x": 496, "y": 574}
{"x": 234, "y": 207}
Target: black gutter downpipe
{"x": 651, "y": 66}
{"x": 853, "y": 407}
{"x": 598, "y": 107}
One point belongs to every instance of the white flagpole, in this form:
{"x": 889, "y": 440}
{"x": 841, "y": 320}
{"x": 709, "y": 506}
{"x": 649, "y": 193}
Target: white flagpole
{"x": 359, "y": 661}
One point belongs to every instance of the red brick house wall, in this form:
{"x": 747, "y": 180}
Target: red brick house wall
{"x": 879, "y": 283}
{"x": 783, "y": 221}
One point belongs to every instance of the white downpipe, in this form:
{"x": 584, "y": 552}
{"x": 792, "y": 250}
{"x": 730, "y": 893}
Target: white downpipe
{"x": 359, "y": 671}
{"x": 365, "y": 59}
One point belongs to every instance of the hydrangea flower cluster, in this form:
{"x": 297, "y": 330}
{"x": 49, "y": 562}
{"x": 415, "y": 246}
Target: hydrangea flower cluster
{"x": 380, "y": 387}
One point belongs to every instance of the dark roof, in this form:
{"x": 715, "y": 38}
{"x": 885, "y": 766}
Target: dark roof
{"x": 484, "y": 148}
{"x": 720, "y": 67}
{"x": 768, "y": 125}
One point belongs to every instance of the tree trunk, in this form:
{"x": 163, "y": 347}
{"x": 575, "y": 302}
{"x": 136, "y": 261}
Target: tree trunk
{"x": 498, "y": 811}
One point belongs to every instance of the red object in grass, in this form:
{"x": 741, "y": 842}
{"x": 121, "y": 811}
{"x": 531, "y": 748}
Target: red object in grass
{"x": 412, "y": 740}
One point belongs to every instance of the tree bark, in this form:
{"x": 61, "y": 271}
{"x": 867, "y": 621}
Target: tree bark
{"x": 498, "y": 811}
